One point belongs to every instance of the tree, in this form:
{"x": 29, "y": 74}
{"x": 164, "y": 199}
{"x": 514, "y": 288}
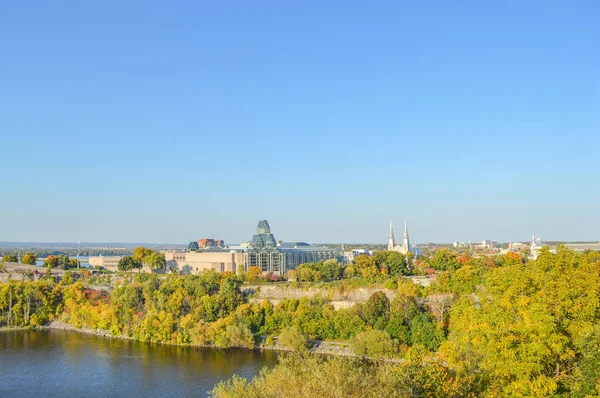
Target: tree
{"x": 239, "y": 335}
{"x": 10, "y": 258}
{"x": 395, "y": 263}
{"x": 291, "y": 337}
{"x": 508, "y": 259}
{"x": 155, "y": 260}
{"x": 525, "y": 332}
{"x": 330, "y": 270}
{"x": 140, "y": 252}
{"x": 375, "y": 344}
{"x": 63, "y": 261}
{"x": 51, "y": 262}
{"x": 444, "y": 259}
{"x": 29, "y": 259}
{"x": 306, "y": 274}
{"x": 254, "y": 273}
{"x": 128, "y": 263}
{"x": 376, "y": 311}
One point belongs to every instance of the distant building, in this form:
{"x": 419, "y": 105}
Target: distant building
{"x": 204, "y": 243}
{"x": 517, "y": 246}
{"x": 534, "y": 247}
{"x": 111, "y": 263}
{"x": 580, "y": 247}
{"x": 108, "y": 262}
{"x": 350, "y": 255}
{"x": 405, "y": 247}
{"x": 263, "y": 251}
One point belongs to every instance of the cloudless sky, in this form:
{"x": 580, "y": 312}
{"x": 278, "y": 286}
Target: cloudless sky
{"x": 170, "y": 121}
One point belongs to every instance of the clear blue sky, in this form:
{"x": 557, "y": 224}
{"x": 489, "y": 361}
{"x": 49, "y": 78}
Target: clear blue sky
{"x": 169, "y": 121}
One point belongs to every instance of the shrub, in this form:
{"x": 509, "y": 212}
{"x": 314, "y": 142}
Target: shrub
{"x": 374, "y": 343}
{"x": 239, "y": 335}
{"x": 291, "y": 337}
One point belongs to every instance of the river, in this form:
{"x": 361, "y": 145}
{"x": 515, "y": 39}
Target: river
{"x": 57, "y": 363}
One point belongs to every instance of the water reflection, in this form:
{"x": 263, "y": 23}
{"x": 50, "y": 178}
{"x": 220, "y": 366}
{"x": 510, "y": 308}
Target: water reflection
{"x": 61, "y": 363}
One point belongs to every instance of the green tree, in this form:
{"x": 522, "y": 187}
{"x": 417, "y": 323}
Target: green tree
{"x": 140, "y": 253}
{"x": 374, "y": 343}
{"x": 376, "y": 311}
{"x": 395, "y": 263}
{"x": 62, "y": 261}
{"x": 10, "y": 258}
{"x": 128, "y": 263}
{"x": 444, "y": 259}
{"x": 239, "y": 335}
{"x": 424, "y": 331}
{"x": 155, "y": 260}
{"x": 330, "y": 270}
{"x": 291, "y": 337}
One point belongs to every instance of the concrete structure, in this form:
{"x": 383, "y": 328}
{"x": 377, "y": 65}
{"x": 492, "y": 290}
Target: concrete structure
{"x": 213, "y": 258}
{"x": 108, "y": 262}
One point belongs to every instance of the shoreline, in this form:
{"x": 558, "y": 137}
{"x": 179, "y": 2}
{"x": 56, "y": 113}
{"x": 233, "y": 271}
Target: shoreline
{"x": 318, "y": 346}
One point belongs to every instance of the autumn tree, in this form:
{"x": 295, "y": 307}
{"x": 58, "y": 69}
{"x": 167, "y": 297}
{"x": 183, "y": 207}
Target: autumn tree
{"x": 51, "y": 262}
{"x": 525, "y": 333}
{"x": 254, "y": 273}
{"x": 29, "y": 259}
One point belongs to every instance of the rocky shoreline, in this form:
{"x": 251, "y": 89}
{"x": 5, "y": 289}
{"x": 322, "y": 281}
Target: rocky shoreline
{"x": 317, "y": 346}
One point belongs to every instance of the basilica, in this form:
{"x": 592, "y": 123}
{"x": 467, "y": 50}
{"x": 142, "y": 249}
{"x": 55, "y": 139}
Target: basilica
{"x": 405, "y": 247}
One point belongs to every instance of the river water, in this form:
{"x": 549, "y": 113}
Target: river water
{"x": 56, "y": 363}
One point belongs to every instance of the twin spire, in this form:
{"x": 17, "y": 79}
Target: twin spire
{"x": 392, "y": 241}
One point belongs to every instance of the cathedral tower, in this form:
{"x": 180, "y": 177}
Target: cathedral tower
{"x": 391, "y": 241}
{"x": 406, "y": 241}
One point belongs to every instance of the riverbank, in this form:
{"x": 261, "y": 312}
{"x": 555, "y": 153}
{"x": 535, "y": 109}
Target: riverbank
{"x": 317, "y": 346}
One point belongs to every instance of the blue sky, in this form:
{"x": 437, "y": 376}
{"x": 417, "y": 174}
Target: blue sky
{"x": 171, "y": 121}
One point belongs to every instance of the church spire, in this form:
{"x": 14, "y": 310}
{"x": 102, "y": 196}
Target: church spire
{"x": 391, "y": 240}
{"x": 406, "y": 242}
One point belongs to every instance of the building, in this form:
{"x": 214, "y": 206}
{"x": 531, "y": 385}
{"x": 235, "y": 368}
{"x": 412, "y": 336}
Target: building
{"x": 535, "y": 247}
{"x": 350, "y": 255}
{"x": 270, "y": 256}
{"x": 405, "y": 247}
{"x": 580, "y": 247}
{"x": 108, "y": 262}
{"x": 205, "y": 242}
{"x": 111, "y": 263}
{"x": 262, "y": 251}
{"x": 517, "y": 246}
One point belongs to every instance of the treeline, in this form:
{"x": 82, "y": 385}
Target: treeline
{"x": 518, "y": 329}
{"x": 486, "y": 326}
{"x": 43, "y": 253}
{"x": 29, "y": 303}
